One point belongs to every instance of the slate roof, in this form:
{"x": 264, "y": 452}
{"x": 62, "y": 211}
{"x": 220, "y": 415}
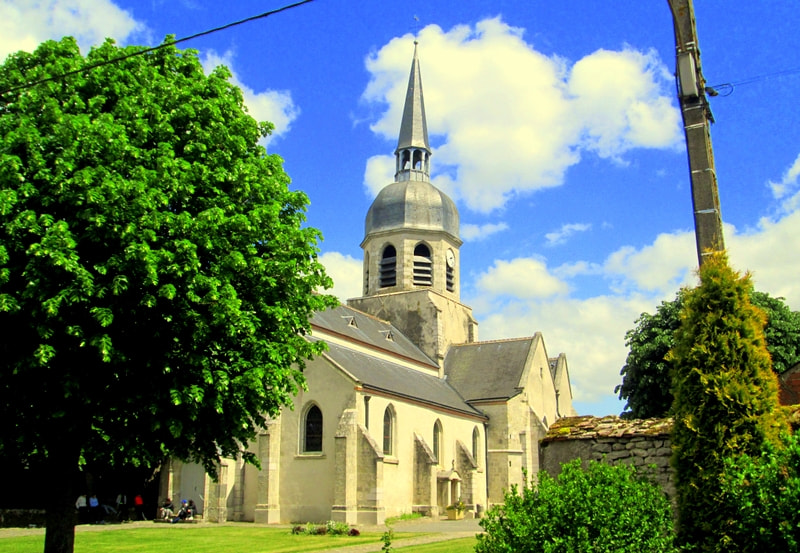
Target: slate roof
{"x": 382, "y": 375}
{"x": 359, "y": 326}
{"x": 488, "y": 370}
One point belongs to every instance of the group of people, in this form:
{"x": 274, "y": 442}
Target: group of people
{"x": 92, "y": 511}
{"x": 89, "y": 510}
{"x": 187, "y": 511}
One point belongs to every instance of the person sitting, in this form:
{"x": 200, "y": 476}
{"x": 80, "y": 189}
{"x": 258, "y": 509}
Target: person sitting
{"x": 192, "y": 508}
{"x": 167, "y": 509}
{"x": 185, "y": 513}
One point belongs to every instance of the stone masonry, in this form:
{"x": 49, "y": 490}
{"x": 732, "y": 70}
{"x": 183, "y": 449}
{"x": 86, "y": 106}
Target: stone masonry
{"x": 643, "y": 443}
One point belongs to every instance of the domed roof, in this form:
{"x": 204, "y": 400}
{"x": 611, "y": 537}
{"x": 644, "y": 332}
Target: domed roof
{"x": 412, "y": 205}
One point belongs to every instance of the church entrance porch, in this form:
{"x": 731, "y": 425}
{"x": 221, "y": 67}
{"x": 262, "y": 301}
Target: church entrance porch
{"x": 448, "y": 490}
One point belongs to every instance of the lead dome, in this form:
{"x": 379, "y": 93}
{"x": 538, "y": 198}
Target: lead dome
{"x": 412, "y": 205}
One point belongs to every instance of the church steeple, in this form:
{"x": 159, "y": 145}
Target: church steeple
{"x": 411, "y": 230}
{"x": 413, "y": 151}
{"x": 411, "y": 245}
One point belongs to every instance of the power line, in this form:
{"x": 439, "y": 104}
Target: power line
{"x": 726, "y": 89}
{"x": 154, "y": 48}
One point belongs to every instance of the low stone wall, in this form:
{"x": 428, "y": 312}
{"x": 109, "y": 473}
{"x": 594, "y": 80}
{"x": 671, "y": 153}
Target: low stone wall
{"x": 21, "y": 518}
{"x": 642, "y": 443}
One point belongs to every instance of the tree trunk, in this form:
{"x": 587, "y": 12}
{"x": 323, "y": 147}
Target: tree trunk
{"x": 60, "y": 509}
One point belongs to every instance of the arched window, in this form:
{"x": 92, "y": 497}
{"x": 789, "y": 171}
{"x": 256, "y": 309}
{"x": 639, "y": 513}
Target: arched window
{"x": 312, "y": 436}
{"x": 417, "y": 160}
{"x": 437, "y": 441}
{"x": 388, "y": 431}
{"x": 476, "y": 436}
{"x": 388, "y": 270}
{"x": 423, "y": 266}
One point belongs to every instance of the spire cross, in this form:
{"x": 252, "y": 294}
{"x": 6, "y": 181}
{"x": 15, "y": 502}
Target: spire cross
{"x": 415, "y": 28}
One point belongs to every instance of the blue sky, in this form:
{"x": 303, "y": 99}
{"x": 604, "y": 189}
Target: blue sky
{"x": 554, "y": 127}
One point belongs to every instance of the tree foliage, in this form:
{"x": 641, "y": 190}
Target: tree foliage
{"x": 765, "y": 494}
{"x": 156, "y": 279}
{"x": 602, "y": 509}
{"x": 726, "y": 397}
{"x": 646, "y": 379}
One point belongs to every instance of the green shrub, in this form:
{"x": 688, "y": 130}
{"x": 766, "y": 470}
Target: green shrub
{"x": 337, "y": 528}
{"x": 331, "y": 527}
{"x": 764, "y": 493}
{"x": 387, "y": 539}
{"x": 726, "y": 397}
{"x": 601, "y": 509}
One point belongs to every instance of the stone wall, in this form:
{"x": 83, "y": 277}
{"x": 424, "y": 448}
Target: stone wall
{"x": 22, "y": 518}
{"x": 642, "y": 443}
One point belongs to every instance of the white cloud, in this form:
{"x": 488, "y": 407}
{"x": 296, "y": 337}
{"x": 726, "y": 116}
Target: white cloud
{"x": 565, "y": 232}
{"x": 378, "y": 173}
{"x": 345, "y": 272}
{"x": 789, "y": 180}
{"x": 592, "y": 330}
{"x": 657, "y": 268}
{"x": 523, "y": 277}
{"x": 520, "y": 118}
{"x": 788, "y": 184}
{"x": 770, "y": 254}
{"x": 621, "y": 102}
{"x": 470, "y": 233}
{"x": 275, "y": 106}
{"x": 577, "y": 268}
{"x": 23, "y": 25}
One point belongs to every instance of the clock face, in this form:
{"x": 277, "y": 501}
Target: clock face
{"x": 450, "y": 257}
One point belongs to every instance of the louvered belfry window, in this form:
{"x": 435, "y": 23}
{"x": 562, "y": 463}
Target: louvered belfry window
{"x": 423, "y": 266}
{"x": 388, "y": 269}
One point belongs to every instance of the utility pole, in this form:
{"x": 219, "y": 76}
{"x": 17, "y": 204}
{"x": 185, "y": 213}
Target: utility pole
{"x": 697, "y": 119}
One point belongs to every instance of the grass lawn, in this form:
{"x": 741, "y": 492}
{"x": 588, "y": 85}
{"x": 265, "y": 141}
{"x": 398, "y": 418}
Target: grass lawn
{"x": 219, "y": 539}
{"x": 461, "y": 545}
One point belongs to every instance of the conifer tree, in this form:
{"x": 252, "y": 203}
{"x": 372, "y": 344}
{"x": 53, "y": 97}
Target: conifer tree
{"x": 647, "y": 375}
{"x": 726, "y": 397}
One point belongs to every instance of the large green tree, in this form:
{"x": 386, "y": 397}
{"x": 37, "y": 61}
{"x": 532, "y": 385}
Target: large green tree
{"x": 156, "y": 276}
{"x": 646, "y": 380}
{"x": 726, "y": 399}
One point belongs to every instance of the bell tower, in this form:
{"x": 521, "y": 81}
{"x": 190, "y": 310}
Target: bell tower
{"x": 411, "y": 244}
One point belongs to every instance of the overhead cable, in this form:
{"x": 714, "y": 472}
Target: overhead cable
{"x": 154, "y": 48}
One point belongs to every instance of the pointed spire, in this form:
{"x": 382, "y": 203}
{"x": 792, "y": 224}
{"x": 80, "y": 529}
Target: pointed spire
{"x": 413, "y": 151}
{"x": 414, "y": 128}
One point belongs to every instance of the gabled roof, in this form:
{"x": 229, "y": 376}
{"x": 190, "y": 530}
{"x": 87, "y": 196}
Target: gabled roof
{"x": 354, "y": 325}
{"x": 395, "y": 379}
{"x": 488, "y": 370}
{"x": 560, "y": 373}
{"x": 362, "y": 351}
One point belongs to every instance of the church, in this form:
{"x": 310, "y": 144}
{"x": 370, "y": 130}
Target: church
{"x": 407, "y": 411}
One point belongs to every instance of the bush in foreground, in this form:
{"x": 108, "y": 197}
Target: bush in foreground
{"x": 764, "y": 492}
{"x": 603, "y": 508}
